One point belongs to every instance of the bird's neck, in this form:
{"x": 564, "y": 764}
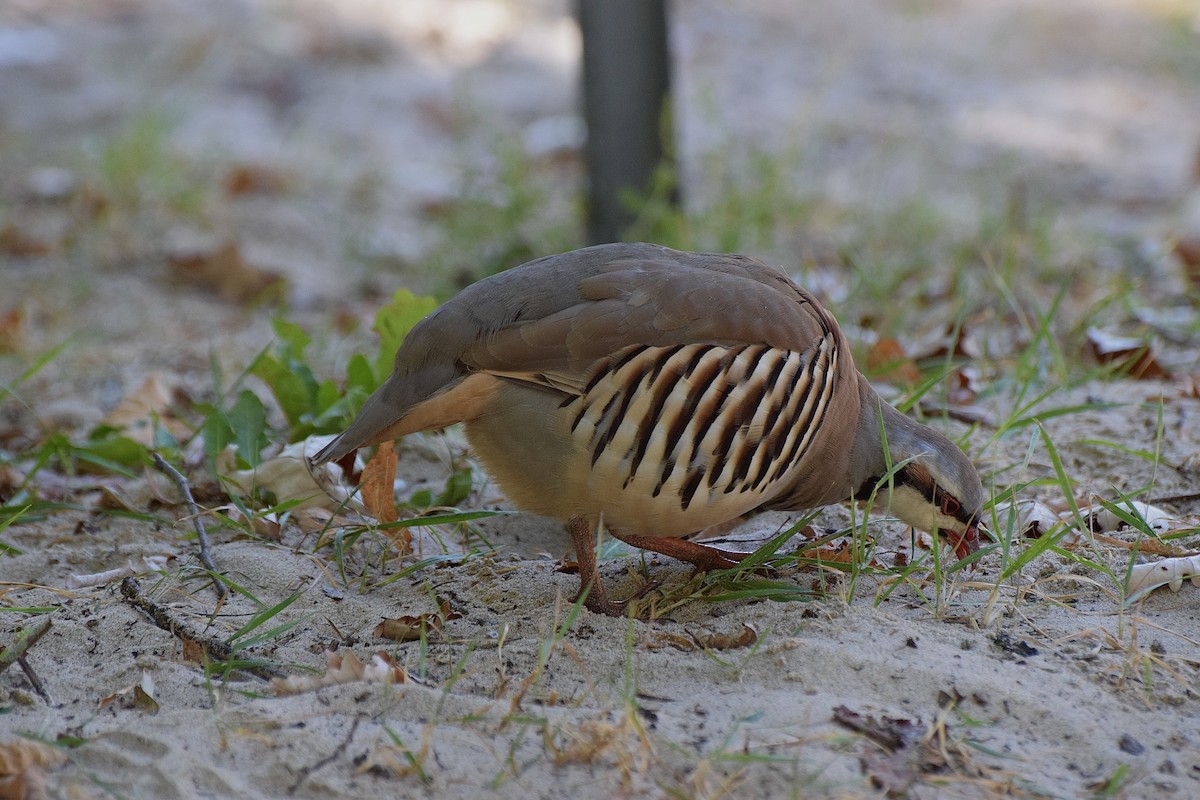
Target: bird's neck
{"x": 879, "y": 422}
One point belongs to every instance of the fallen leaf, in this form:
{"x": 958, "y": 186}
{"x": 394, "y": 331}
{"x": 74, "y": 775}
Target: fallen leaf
{"x": 408, "y": 628}
{"x": 887, "y": 362}
{"x": 264, "y": 525}
{"x": 964, "y": 386}
{"x": 143, "y": 695}
{"x": 1169, "y": 572}
{"x": 1187, "y": 250}
{"x": 1134, "y": 355}
{"x": 727, "y": 641}
{"x": 23, "y": 766}
{"x": 893, "y": 764}
{"x": 137, "y": 494}
{"x": 890, "y": 733}
{"x": 378, "y": 482}
{"x": 952, "y": 340}
{"x": 1034, "y": 519}
{"x": 19, "y": 244}
{"x": 226, "y": 272}
{"x": 313, "y": 520}
{"x": 1103, "y": 520}
{"x": 243, "y": 179}
{"x": 140, "y": 696}
{"x": 192, "y": 650}
{"x": 139, "y": 411}
{"x": 344, "y": 667}
{"x": 290, "y": 476}
{"x": 660, "y": 640}
{"x": 12, "y": 335}
{"x": 841, "y": 553}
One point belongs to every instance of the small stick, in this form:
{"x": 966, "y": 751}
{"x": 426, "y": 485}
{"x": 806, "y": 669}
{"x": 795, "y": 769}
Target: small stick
{"x": 305, "y": 772}
{"x": 197, "y": 520}
{"x": 26, "y": 638}
{"x": 1176, "y": 498}
{"x": 213, "y": 648}
{"x": 34, "y": 680}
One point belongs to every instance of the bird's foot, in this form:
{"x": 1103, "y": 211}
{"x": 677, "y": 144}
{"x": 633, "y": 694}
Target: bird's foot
{"x": 598, "y": 602}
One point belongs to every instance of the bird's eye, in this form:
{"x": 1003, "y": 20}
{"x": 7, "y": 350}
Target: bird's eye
{"x": 950, "y": 506}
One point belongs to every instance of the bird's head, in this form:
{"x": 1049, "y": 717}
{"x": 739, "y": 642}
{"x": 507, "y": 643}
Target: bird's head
{"x": 935, "y": 487}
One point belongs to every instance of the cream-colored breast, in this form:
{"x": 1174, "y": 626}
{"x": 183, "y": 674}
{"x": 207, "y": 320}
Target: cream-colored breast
{"x": 662, "y": 441}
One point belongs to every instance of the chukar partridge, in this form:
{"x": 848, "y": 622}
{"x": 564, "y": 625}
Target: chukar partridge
{"x": 662, "y": 392}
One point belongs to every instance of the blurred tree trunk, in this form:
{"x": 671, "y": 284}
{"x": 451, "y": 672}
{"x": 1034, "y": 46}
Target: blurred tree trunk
{"x": 626, "y": 84}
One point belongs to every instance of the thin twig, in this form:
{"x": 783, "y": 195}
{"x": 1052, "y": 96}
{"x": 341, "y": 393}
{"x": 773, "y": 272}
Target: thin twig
{"x": 34, "y": 680}
{"x": 1176, "y": 498}
{"x": 197, "y": 520}
{"x": 305, "y": 772}
{"x": 15, "y": 654}
{"x": 26, "y": 638}
{"x": 214, "y": 649}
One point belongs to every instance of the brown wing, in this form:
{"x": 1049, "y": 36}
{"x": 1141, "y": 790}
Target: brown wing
{"x": 549, "y": 321}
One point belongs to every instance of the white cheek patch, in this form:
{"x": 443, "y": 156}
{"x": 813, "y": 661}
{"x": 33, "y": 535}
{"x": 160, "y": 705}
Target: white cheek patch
{"x": 914, "y": 508}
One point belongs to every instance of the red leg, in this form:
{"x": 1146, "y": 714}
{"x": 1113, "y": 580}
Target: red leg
{"x": 589, "y": 572}
{"x": 704, "y": 557}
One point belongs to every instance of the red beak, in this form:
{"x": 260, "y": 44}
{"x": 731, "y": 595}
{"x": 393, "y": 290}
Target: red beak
{"x": 964, "y": 543}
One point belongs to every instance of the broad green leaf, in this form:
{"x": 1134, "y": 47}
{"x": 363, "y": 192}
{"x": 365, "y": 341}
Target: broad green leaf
{"x": 458, "y": 487}
{"x": 288, "y": 386}
{"x": 248, "y": 420}
{"x": 394, "y": 321}
{"x": 294, "y": 338}
{"x": 359, "y": 375}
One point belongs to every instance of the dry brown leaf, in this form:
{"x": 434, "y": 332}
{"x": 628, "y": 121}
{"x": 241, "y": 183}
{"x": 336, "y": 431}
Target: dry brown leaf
{"x": 137, "y": 494}
{"x": 226, "y": 272}
{"x": 660, "y": 640}
{"x": 140, "y": 696}
{"x": 1130, "y": 353}
{"x": 23, "y": 766}
{"x": 19, "y": 244}
{"x": 137, "y": 412}
{"x": 12, "y": 335}
{"x": 192, "y": 650}
{"x": 727, "y": 641}
{"x": 947, "y": 340}
{"x": 290, "y": 476}
{"x": 842, "y": 553}
{"x": 1187, "y": 250}
{"x": 264, "y": 525}
{"x": 378, "y": 482}
{"x": 143, "y": 695}
{"x": 964, "y": 386}
{"x": 887, "y": 361}
{"x": 344, "y": 667}
{"x": 313, "y": 520}
{"x": 408, "y": 628}
{"x": 894, "y": 761}
{"x": 245, "y": 179}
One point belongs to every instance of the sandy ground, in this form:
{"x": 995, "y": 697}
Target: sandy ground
{"x": 1036, "y": 685}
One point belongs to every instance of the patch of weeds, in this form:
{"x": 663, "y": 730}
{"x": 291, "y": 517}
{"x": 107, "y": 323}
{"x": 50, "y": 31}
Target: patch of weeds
{"x": 135, "y": 186}
{"x": 401, "y": 760}
{"x": 36, "y": 366}
{"x": 1115, "y": 784}
{"x": 747, "y": 580}
{"x": 308, "y": 405}
{"x": 507, "y": 210}
{"x": 748, "y": 205}
{"x": 722, "y": 769}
